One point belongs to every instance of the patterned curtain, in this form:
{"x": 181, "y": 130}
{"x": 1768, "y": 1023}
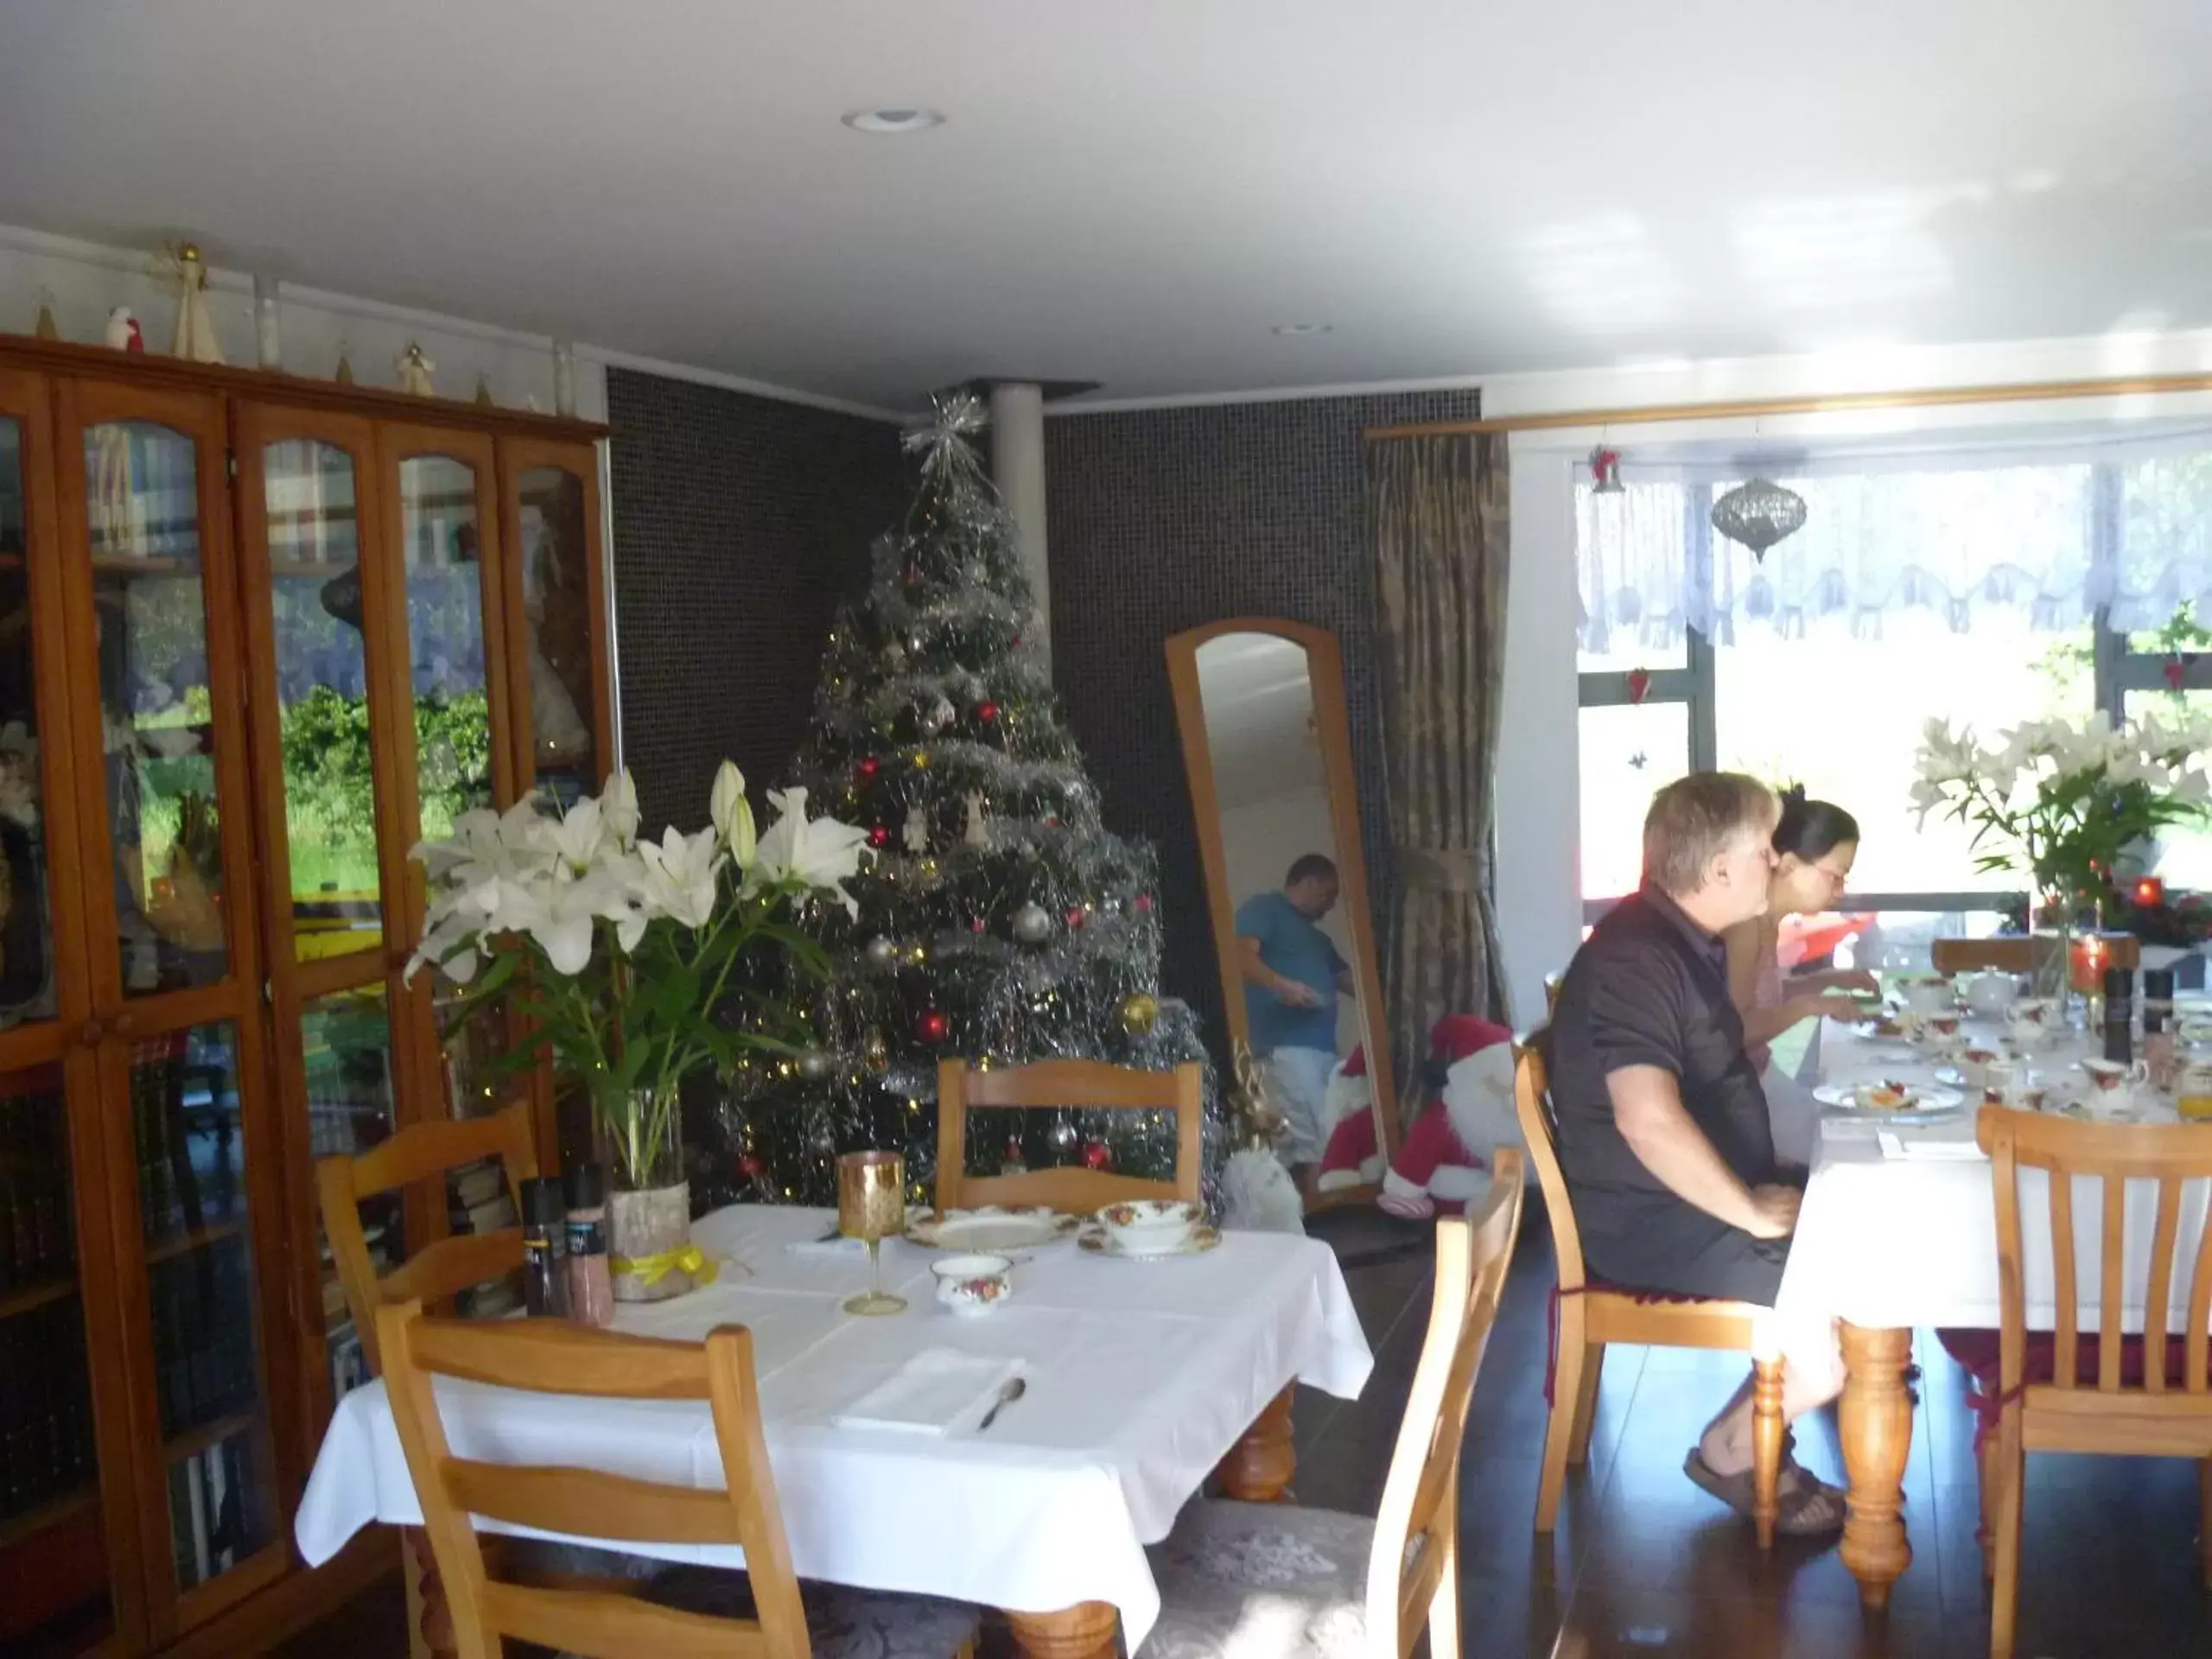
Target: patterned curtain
{"x": 1438, "y": 510}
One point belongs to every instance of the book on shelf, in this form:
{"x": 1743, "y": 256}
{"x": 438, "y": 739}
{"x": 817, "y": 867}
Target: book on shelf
{"x": 214, "y": 1515}
{"x": 202, "y": 1305}
{"x": 46, "y": 1409}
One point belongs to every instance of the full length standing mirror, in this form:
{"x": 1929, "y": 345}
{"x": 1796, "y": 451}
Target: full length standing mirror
{"x": 1261, "y": 706}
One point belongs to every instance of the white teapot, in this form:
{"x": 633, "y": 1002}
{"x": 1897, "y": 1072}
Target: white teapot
{"x": 1990, "y": 996}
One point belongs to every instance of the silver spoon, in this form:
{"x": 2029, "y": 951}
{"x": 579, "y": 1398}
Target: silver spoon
{"x": 1014, "y": 1388}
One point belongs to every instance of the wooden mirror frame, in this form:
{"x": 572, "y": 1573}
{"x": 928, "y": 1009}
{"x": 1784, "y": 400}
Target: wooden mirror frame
{"x": 1332, "y": 726}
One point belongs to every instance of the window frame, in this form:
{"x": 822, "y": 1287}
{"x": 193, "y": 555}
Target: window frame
{"x": 2117, "y": 670}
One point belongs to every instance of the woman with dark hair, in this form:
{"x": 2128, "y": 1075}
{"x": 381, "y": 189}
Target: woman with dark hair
{"x": 1815, "y": 845}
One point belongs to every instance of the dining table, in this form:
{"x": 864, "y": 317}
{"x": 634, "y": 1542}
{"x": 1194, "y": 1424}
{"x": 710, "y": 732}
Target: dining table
{"x": 1142, "y": 1378}
{"x": 1898, "y": 1232}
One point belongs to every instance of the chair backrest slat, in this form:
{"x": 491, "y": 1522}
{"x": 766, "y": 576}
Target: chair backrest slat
{"x": 1081, "y": 1085}
{"x": 2157, "y": 1299}
{"x": 416, "y": 1159}
{"x": 550, "y": 1356}
{"x": 2113, "y": 1154}
{"x": 1532, "y": 1105}
{"x": 1421, "y": 1497}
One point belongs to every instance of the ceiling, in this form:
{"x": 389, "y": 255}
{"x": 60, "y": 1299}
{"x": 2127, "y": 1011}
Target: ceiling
{"x": 1136, "y": 193}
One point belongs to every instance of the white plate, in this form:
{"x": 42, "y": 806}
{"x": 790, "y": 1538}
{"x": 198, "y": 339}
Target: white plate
{"x": 1096, "y": 1241}
{"x": 990, "y": 1230}
{"x": 1844, "y": 1096}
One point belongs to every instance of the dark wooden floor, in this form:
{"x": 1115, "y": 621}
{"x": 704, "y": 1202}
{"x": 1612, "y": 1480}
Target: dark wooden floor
{"x": 1646, "y": 1565}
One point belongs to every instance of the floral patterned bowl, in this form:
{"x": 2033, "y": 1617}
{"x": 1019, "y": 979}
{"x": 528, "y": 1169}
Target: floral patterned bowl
{"x": 973, "y": 1284}
{"x": 1149, "y": 1226}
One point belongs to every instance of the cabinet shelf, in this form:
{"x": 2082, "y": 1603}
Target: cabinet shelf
{"x": 194, "y": 1441}
{"x": 175, "y": 1244}
{"x": 40, "y": 1294}
{"x": 15, "y": 1528}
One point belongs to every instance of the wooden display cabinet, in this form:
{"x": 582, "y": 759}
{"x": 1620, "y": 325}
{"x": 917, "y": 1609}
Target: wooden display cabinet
{"x": 258, "y": 637}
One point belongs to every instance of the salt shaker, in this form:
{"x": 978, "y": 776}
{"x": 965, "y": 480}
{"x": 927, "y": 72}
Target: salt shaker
{"x": 2161, "y": 1054}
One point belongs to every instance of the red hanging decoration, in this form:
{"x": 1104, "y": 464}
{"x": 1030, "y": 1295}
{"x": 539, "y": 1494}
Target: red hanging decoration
{"x": 879, "y": 836}
{"x": 868, "y": 767}
{"x": 1075, "y": 918}
{"x": 975, "y": 925}
{"x": 750, "y": 1166}
{"x": 1016, "y": 1162}
{"x": 1605, "y": 472}
{"x": 934, "y": 1026}
{"x": 1144, "y": 904}
{"x": 2177, "y": 671}
{"x": 987, "y": 712}
{"x": 1097, "y": 1155}
{"x": 1639, "y": 685}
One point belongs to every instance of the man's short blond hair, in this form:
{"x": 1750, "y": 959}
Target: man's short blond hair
{"x": 1693, "y": 820}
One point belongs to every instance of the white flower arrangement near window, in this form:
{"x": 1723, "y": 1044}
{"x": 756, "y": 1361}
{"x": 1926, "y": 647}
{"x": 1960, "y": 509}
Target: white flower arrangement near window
{"x": 619, "y": 949}
{"x": 2062, "y": 802}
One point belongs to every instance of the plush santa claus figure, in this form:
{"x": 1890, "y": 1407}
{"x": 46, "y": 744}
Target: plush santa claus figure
{"x": 1470, "y": 1107}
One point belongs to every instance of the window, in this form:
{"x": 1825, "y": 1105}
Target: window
{"x": 1986, "y": 594}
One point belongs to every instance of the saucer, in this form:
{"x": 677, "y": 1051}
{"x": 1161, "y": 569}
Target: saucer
{"x": 1197, "y": 1242}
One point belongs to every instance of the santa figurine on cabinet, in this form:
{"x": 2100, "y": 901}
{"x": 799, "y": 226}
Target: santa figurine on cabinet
{"x": 1445, "y": 1154}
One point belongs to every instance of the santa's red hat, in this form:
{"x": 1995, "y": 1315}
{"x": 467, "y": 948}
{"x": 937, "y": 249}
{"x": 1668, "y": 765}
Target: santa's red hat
{"x": 1457, "y": 1035}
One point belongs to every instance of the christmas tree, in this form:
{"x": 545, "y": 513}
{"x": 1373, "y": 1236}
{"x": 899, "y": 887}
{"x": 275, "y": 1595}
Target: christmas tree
{"x": 1000, "y": 921}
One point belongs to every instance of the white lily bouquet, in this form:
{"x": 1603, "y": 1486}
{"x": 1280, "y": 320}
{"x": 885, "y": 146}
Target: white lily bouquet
{"x": 2062, "y": 802}
{"x": 619, "y": 951}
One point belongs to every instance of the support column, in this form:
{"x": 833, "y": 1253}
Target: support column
{"x": 1018, "y": 468}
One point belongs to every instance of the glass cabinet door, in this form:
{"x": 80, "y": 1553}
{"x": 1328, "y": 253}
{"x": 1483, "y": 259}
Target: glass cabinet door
{"x": 175, "y": 1026}
{"x": 69, "y": 1539}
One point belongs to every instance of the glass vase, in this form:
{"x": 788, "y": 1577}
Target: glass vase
{"x": 649, "y": 1255}
{"x": 2053, "y": 954}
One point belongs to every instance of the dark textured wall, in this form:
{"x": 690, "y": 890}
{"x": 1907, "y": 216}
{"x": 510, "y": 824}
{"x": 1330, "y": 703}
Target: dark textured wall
{"x": 1162, "y": 519}
{"x": 739, "y": 522}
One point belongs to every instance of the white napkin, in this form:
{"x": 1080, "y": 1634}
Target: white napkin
{"x": 934, "y": 1392}
{"x": 1945, "y": 1144}
{"x": 838, "y": 1246}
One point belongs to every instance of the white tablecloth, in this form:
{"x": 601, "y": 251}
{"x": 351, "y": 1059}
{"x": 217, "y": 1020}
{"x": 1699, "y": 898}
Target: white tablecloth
{"x": 1896, "y": 1242}
{"x": 1141, "y": 1376}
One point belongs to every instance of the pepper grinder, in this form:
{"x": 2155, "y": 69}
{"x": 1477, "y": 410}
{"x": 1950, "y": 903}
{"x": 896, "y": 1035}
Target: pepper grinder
{"x": 2119, "y": 1015}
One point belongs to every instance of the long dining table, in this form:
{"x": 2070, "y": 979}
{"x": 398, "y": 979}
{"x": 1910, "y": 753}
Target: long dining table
{"x": 1898, "y": 1232}
{"x": 1142, "y": 1378}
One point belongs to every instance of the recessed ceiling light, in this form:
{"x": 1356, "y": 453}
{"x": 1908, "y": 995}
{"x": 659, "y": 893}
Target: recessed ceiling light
{"x": 894, "y": 120}
{"x": 1301, "y": 327}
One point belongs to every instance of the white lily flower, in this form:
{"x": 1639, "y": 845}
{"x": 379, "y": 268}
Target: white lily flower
{"x": 618, "y": 808}
{"x": 580, "y": 835}
{"x": 732, "y": 816}
{"x": 820, "y": 853}
{"x": 679, "y": 877}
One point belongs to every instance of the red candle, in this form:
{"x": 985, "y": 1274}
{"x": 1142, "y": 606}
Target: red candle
{"x": 2089, "y": 957}
{"x": 2150, "y": 890}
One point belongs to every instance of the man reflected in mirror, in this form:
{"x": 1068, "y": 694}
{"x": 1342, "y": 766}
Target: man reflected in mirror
{"x": 1293, "y": 976}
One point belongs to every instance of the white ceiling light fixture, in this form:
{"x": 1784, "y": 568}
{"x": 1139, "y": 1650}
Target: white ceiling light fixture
{"x": 1297, "y": 328}
{"x": 893, "y": 119}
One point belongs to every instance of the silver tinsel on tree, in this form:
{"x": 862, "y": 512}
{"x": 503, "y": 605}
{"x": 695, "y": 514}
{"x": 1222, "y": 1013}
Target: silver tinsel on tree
{"x": 1001, "y": 922}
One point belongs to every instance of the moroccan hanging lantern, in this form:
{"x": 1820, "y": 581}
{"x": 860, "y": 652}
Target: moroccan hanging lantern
{"x": 1758, "y": 513}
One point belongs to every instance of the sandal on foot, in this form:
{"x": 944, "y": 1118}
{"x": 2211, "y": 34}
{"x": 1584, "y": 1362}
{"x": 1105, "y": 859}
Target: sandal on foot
{"x": 1810, "y": 1509}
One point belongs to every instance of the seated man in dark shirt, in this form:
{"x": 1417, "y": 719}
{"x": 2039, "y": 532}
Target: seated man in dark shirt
{"x": 1663, "y": 1134}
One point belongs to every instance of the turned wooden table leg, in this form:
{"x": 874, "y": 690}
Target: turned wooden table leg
{"x": 429, "y": 1621}
{"x": 1766, "y": 1447}
{"x": 1087, "y": 1630}
{"x": 1876, "y": 1420}
{"x": 1259, "y": 1466}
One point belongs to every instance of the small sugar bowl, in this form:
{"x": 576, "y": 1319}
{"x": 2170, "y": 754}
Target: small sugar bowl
{"x": 973, "y": 1284}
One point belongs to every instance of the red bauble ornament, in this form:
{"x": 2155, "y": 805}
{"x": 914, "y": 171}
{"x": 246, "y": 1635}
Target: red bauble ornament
{"x": 879, "y": 836}
{"x": 987, "y": 712}
{"x": 1144, "y": 904}
{"x": 1096, "y": 1155}
{"x": 1639, "y": 685}
{"x": 750, "y": 1167}
{"x": 868, "y": 767}
{"x": 934, "y": 1026}
{"x": 975, "y": 925}
{"x": 2176, "y": 670}
{"x": 1075, "y": 918}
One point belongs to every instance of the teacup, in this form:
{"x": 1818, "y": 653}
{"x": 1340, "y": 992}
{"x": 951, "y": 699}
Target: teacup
{"x": 1928, "y": 994}
{"x": 1974, "y": 1066}
{"x": 973, "y": 1284}
{"x": 1991, "y": 996}
{"x": 1942, "y": 1032}
{"x": 2111, "y": 1086}
{"x": 2030, "y": 1021}
{"x": 1150, "y": 1226}
{"x": 1995, "y": 1075}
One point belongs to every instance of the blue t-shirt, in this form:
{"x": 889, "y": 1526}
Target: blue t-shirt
{"x": 1292, "y": 945}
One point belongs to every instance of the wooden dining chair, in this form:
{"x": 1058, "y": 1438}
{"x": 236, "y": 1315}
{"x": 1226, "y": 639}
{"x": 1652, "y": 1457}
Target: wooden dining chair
{"x": 702, "y": 1613}
{"x": 1086, "y": 1086}
{"x": 2103, "y": 1391}
{"x": 417, "y": 1158}
{"x": 1375, "y": 1585}
{"x": 1588, "y": 1314}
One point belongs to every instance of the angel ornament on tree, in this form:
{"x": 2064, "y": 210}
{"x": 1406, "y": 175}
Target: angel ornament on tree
{"x": 915, "y": 836}
{"x": 978, "y": 831}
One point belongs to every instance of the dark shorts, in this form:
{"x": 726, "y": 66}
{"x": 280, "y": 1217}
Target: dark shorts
{"x": 1714, "y": 1259}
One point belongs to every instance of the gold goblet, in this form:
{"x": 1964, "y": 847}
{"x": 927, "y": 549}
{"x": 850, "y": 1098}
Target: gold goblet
{"x": 871, "y": 1205}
